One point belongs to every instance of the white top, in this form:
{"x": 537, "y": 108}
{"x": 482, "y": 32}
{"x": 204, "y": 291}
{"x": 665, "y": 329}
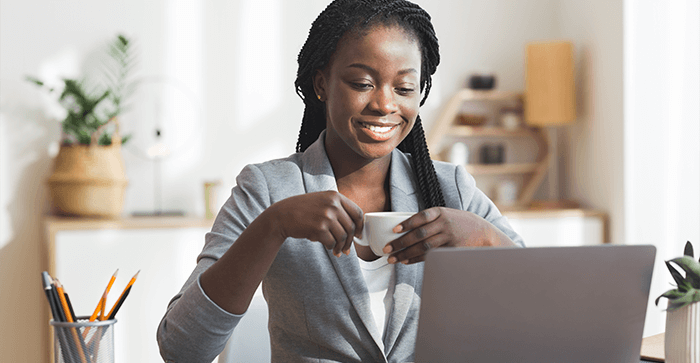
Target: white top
{"x": 380, "y": 279}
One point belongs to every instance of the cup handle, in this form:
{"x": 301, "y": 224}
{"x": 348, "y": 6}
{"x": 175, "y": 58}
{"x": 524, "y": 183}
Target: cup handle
{"x": 360, "y": 241}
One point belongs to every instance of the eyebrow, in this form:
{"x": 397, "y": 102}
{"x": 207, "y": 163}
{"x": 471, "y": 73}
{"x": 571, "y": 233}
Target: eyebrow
{"x": 370, "y": 69}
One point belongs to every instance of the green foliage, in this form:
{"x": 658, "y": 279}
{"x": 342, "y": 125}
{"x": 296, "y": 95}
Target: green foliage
{"x": 117, "y": 72}
{"x": 90, "y": 109}
{"x": 687, "y": 289}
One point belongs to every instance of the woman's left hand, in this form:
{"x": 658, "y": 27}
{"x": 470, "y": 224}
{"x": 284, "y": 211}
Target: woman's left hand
{"x": 442, "y": 227}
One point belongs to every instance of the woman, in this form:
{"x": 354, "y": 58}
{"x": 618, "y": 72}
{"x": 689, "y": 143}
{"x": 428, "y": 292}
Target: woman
{"x": 363, "y": 73}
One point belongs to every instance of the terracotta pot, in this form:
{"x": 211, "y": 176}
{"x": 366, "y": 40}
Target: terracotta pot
{"x": 682, "y": 337}
{"x": 89, "y": 180}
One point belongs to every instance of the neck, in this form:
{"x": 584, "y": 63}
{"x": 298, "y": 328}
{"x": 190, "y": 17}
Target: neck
{"x": 367, "y": 185}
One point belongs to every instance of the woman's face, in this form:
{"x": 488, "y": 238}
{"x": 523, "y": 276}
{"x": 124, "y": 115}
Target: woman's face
{"x": 371, "y": 89}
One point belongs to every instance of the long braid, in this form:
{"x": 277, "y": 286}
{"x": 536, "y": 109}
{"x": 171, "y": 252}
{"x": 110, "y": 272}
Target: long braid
{"x": 342, "y": 16}
{"x": 423, "y": 167}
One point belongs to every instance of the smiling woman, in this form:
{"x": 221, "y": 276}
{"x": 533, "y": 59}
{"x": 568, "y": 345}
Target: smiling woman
{"x": 290, "y": 223}
{"x": 371, "y": 92}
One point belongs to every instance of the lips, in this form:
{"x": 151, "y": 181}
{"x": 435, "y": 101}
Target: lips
{"x": 378, "y": 131}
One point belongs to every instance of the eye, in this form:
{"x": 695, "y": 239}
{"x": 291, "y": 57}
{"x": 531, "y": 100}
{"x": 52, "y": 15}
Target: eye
{"x": 405, "y": 90}
{"x": 361, "y": 86}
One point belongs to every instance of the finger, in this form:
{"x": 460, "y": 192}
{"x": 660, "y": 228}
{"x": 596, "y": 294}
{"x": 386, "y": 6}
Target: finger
{"x": 412, "y": 237}
{"x": 326, "y": 238}
{"x": 349, "y": 226}
{"x": 339, "y": 237}
{"x": 417, "y": 251}
{"x": 420, "y": 258}
{"x": 421, "y": 218}
{"x": 355, "y": 213}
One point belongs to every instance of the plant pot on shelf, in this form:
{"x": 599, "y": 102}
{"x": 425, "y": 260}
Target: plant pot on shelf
{"x": 682, "y": 337}
{"x": 89, "y": 180}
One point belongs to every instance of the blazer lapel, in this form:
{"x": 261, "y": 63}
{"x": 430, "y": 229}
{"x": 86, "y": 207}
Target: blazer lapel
{"x": 318, "y": 176}
{"x": 403, "y": 199}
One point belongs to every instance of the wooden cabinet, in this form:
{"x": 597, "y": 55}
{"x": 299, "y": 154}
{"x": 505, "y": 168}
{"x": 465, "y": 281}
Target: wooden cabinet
{"x": 560, "y": 227}
{"x": 84, "y": 253}
{"x": 480, "y": 120}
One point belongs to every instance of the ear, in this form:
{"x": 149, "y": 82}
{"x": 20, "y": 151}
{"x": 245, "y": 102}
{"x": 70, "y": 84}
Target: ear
{"x": 319, "y": 82}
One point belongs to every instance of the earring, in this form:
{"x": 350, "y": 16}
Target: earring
{"x": 319, "y": 97}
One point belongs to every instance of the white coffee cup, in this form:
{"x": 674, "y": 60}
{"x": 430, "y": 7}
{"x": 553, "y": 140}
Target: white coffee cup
{"x": 378, "y": 229}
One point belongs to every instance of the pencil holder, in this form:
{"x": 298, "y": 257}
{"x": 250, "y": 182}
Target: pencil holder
{"x": 84, "y": 341}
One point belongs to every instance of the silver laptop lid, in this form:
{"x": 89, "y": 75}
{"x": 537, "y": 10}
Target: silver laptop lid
{"x": 551, "y": 304}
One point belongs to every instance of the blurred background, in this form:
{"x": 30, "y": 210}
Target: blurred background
{"x": 632, "y": 152}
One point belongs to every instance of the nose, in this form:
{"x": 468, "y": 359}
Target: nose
{"x": 384, "y": 101}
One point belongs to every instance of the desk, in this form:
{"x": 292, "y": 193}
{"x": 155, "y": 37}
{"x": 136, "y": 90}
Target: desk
{"x": 653, "y": 348}
{"x": 84, "y": 253}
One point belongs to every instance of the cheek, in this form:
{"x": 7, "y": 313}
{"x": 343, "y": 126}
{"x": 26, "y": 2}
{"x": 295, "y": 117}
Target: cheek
{"x": 347, "y": 103}
{"x": 411, "y": 108}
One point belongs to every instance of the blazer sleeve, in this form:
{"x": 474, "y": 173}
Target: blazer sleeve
{"x": 194, "y": 328}
{"x": 460, "y": 191}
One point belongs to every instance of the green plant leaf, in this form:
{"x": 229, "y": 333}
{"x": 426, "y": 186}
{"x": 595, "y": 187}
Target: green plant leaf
{"x": 688, "y": 250}
{"x": 126, "y": 139}
{"x": 670, "y": 294}
{"x": 84, "y": 137}
{"x": 90, "y": 105}
{"x": 691, "y": 296}
{"x": 682, "y": 284}
{"x": 105, "y": 139}
{"x": 34, "y": 80}
{"x": 691, "y": 268}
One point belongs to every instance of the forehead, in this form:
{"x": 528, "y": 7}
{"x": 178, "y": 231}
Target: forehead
{"x": 379, "y": 43}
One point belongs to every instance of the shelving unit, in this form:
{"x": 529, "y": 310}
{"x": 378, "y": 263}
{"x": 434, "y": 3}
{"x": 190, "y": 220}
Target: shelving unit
{"x": 488, "y": 105}
{"x": 84, "y": 252}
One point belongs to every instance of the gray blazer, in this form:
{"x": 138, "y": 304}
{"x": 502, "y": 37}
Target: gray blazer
{"x": 319, "y": 307}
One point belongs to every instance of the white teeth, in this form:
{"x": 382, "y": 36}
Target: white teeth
{"x": 379, "y": 129}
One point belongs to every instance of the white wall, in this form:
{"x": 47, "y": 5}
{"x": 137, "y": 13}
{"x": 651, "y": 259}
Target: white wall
{"x": 238, "y": 58}
{"x": 592, "y": 145}
{"x": 32, "y": 34}
{"x": 662, "y": 134}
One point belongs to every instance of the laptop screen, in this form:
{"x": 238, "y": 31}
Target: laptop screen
{"x": 550, "y": 304}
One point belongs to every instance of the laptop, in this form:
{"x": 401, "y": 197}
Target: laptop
{"x": 546, "y": 304}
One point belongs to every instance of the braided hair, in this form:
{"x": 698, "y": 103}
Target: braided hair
{"x": 342, "y": 16}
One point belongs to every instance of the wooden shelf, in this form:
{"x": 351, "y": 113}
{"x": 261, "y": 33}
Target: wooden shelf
{"x": 489, "y": 95}
{"x": 476, "y": 131}
{"x": 513, "y": 168}
{"x": 59, "y": 223}
{"x": 447, "y": 131}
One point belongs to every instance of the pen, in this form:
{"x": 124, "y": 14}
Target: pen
{"x": 46, "y": 281}
{"x": 70, "y": 307}
{"x": 51, "y": 297}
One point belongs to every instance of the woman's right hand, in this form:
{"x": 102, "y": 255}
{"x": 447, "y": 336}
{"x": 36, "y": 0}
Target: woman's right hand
{"x": 326, "y": 217}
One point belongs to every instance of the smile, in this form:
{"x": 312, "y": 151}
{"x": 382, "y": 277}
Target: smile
{"x": 378, "y": 129}
{"x": 379, "y": 132}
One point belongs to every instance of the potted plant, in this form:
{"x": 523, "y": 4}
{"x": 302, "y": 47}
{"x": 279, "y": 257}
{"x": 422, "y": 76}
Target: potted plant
{"x": 88, "y": 177}
{"x": 682, "y": 337}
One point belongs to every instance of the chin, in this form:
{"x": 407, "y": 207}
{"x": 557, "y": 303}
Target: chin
{"x": 373, "y": 152}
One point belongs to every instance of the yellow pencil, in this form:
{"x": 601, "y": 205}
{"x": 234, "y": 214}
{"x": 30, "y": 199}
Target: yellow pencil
{"x": 102, "y": 309}
{"x": 126, "y": 289}
{"x": 64, "y": 302}
{"x": 69, "y": 318}
{"x": 104, "y": 297}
